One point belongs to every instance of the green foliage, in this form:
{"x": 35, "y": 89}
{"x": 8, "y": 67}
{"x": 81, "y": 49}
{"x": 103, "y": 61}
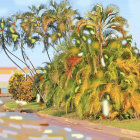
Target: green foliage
{"x": 89, "y": 62}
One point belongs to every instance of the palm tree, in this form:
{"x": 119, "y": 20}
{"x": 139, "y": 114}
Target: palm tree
{"x": 63, "y": 24}
{"x": 105, "y": 22}
{"x": 9, "y": 36}
{"x": 12, "y": 34}
{"x": 42, "y": 25}
{"x": 16, "y": 21}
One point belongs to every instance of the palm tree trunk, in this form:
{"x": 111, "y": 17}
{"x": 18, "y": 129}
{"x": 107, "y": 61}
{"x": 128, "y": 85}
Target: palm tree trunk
{"x": 31, "y": 72}
{"x": 15, "y": 56}
{"x": 54, "y": 48}
{"x": 45, "y": 45}
{"x": 101, "y": 51}
{"x": 23, "y": 55}
{"x": 101, "y": 46}
{"x": 4, "y": 48}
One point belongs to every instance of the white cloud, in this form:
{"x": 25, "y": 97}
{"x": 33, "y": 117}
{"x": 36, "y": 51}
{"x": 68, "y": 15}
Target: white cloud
{"x": 3, "y": 11}
{"x": 29, "y": 2}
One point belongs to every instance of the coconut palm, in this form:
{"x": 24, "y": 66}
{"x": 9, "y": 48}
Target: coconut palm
{"x": 43, "y": 21}
{"x": 63, "y": 24}
{"x": 105, "y": 22}
{"x": 21, "y": 40}
{"x": 9, "y": 35}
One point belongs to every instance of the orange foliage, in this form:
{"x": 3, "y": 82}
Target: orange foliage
{"x": 72, "y": 61}
{"x": 41, "y": 77}
{"x": 25, "y": 90}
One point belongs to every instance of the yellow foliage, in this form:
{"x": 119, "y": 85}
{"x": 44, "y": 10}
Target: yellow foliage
{"x": 116, "y": 96}
{"x": 56, "y": 77}
{"x": 84, "y": 71}
{"x": 134, "y": 80}
{"x": 92, "y": 94}
{"x": 62, "y": 27}
{"x": 24, "y": 26}
{"x": 95, "y": 106}
{"x": 131, "y": 99}
{"x": 77, "y": 99}
{"x": 94, "y": 88}
{"x": 114, "y": 44}
{"x": 100, "y": 74}
{"x": 54, "y": 37}
{"x": 38, "y": 71}
{"x": 96, "y": 45}
{"x": 14, "y": 83}
{"x": 84, "y": 86}
{"x": 74, "y": 50}
{"x": 25, "y": 90}
{"x": 46, "y": 91}
{"x": 127, "y": 104}
{"x": 113, "y": 115}
{"x": 108, "y": 88}
{"x": 129, "y": 65}
{"x": 136, "y": 105}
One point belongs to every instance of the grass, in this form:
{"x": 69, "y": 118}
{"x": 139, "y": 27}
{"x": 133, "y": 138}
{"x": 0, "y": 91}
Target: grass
{"x": 30, "y": 106}
{"x": 132, "y": 124}
{"x": 11, "y": 105}
{"x": 60, "y": 113}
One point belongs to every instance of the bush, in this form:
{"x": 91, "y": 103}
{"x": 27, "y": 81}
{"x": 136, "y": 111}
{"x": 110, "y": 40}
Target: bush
{"x": 25, "y": 90}
{"x": 14, "y": 83}
{"x": 19, "y": 88}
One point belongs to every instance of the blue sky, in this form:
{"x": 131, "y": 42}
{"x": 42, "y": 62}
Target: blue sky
{"x": 129, "y": 9}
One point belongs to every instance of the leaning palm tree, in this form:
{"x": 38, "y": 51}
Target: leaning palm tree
{"x": 12, "y": 34}
{"x": 105, "y": 22}
{"x": 21, "y": 41}
{"x": 9, "y": 36}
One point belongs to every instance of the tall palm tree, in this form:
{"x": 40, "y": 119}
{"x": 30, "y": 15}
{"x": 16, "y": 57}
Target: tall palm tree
{"x": 9, "y": 36}
{"x": 105, "y": 21}
{"x": 16, "y": 21}
{"x": 42, "y": 26}
{"x": 63, "y": 24}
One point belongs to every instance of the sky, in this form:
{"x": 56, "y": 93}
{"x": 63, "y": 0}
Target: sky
{"x": 129, "y": 9}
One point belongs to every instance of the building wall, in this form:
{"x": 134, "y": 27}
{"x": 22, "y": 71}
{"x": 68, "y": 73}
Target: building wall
{"x": 6, "y": 73}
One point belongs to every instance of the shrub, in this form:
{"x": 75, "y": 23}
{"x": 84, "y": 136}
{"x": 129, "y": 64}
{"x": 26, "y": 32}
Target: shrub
{"x": 25, "y": 90}
{"x": 14, "y": 83}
